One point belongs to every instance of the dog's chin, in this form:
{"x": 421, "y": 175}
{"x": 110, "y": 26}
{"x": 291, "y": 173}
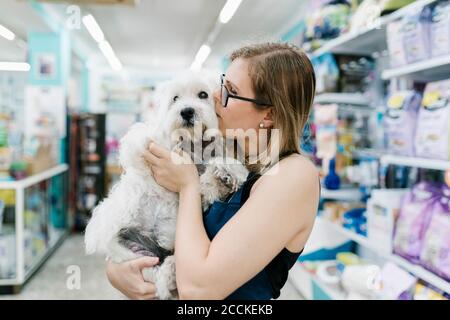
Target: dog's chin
{"x": 195, "y": 129}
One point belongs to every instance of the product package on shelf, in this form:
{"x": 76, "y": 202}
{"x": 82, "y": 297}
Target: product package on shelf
{"x": 400, "y": 121}
{"x": 328, "y": 21}
{"x": 414, "y": 219}
{"x": 355, "y": 73}
{"x": 420, "y": 35}
{"x": 416, "y": 30}
{"x": 383, "y": 208}
{"x": 325, "y": 120}
{"x": 395, "y": 45}
{"x": 369, "y": 11}
{"x": 435, "y": 254}
{"x": 440, "y": 29}
{"x": 423, "y": 292}
{"x": 327, "y": 73}
{"x": 433, "y": 125}
{"x": 397, "y": 284}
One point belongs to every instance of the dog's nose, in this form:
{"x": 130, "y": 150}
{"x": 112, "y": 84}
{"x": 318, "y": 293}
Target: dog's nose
{"x": 187, "y": 113}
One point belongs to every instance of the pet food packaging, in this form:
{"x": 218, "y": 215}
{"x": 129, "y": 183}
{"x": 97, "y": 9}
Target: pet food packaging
{"x": 326, "y": 119}
{"x": 435, "y": 254}
{"x": 400, "y": 121}
{"x": 397, "y": 284}
{"x": 414, "y": 219}
{"x": 440, "y": 29}
{"x": 383, "y": 208}
{"x": 396, "y": 50}
{"x": 415, "y": 31}
{"x": 433, "y": 125}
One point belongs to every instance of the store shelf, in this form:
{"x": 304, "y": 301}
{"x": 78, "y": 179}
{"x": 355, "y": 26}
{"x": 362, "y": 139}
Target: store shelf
{"x": 417, "y": 270}
{"x": 24, "y": 183}
{"x": 299, "y": 273}
{"x": 62, "y": 235}
{"x": 342, "y": 98}
{"x": 429, "y": 70}
{"x": 44, "y": 206}
{"x": 415, "y": 162}
{"x": 368, "y": 40}
{"x": 342, "y": 194}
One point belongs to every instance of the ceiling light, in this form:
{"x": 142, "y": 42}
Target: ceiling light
{"x": 201, "y": 57}
{"x": 6, "y": 33}
{"x": 109, "y": 54}
{"x": 229, "y": 10}
{"x": 94, "y": 29}
{"x": 14, "y": 66}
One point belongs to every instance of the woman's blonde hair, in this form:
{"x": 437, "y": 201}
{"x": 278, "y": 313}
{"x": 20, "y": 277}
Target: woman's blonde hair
{"x": 282, "y": 74}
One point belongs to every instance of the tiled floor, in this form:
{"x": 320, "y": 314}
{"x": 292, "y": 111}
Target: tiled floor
{"x": 54, "y": 279}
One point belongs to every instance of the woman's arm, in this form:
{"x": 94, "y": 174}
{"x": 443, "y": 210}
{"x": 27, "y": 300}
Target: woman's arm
{"x": 282, "y": 205}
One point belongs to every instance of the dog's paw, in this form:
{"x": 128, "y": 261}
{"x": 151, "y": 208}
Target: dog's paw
{"x": 230, "y": 172}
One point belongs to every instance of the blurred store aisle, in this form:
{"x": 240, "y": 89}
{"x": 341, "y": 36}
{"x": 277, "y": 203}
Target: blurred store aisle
{"x": 51, "y": 280}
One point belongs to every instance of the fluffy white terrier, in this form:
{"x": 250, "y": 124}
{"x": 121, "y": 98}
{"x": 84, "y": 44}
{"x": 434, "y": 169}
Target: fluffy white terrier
{"x": 138, "y": 218}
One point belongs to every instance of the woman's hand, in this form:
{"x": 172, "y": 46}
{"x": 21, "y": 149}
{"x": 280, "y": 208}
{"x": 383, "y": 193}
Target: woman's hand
{"x": 173, "y": 171}
{"x": 127, "y": 278}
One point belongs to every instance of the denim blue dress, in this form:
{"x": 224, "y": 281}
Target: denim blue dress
{"x": 266, "y": 284}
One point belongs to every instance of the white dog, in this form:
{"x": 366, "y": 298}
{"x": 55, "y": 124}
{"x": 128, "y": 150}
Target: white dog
{"x": 138, "y": 218}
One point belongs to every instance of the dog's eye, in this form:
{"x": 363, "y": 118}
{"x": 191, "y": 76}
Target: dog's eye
{"x": 175, "y": 98}
{"x": 203, "y": 95}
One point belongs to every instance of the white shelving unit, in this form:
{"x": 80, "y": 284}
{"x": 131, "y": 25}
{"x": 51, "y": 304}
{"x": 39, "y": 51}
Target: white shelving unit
{"x": 417, "y": 270}
{"x": 302, "y": 279}
{"x": 341, "y": 194}
{"x": 371, "y": 41}
{"x": 430, "y": 69}
{"x": 415, "y": 162}
{"x": 26, "y": 265}
{"x": 368, "y": 40}
{"x": 356, "y": 99}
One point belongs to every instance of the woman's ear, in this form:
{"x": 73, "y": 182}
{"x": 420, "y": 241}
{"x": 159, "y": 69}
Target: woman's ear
{"x": 268, "y": 118}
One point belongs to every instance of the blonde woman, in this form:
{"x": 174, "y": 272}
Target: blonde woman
{"x": 243, "y": 248}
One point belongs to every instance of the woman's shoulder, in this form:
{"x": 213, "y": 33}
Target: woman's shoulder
{"x": 295, "y": 171}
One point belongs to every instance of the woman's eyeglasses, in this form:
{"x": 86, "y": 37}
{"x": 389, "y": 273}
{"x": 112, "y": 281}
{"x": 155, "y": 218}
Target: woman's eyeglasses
{"x": 225, "y": 95}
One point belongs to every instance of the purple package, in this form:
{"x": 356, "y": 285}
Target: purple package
{"x": 400, "y": 121}
{"x": 397, "y": 55}
{"x": 435, "y": 254}
{"x": 413, "y": 220}
{"x": 440, "y": 29}
{"x": 416, "y": 31}
{"x": 432, "y": 138}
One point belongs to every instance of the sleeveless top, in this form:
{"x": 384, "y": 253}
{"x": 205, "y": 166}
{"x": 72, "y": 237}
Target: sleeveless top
{"x": 267, "y": 283}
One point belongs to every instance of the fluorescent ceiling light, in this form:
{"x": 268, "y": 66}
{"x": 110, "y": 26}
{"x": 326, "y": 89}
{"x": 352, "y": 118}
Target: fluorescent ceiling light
{"x": 93, "y": 28}
{"x": 115, "y": 64}
{"x": 229, "y": 10}
{"x": 201, "y": 57}
{"x": 6, "y": 33}
{"x": 107, "y": 50}
{"x": 109, "y": 54}
{"x": 14, "y": 66}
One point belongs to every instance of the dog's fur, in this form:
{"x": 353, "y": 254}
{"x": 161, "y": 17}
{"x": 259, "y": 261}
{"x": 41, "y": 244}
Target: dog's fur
{"x": 138, "y": 218}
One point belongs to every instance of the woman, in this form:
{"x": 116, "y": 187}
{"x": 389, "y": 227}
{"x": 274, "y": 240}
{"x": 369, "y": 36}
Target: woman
{"x": 243, "y": 248}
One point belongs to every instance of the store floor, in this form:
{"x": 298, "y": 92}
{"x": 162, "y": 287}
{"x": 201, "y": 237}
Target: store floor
{"x": 51, "y": 280}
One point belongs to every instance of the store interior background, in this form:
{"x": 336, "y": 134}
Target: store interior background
{"x": 74, "y": 75}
